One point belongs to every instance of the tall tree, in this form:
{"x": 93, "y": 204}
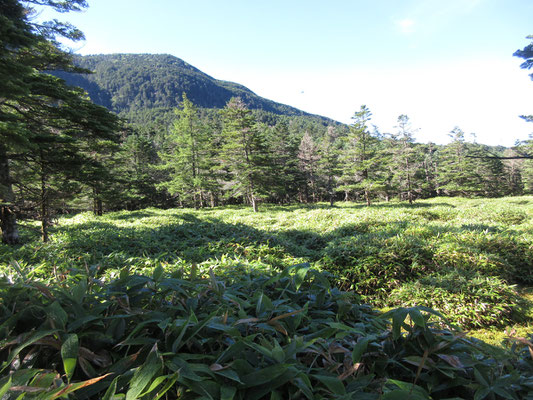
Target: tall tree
{"x": 42, "y": 112}
{"x": 329, "y": 162}
{"x": 360, "y": 169}
{"x": 285, "y": 170}
{"x": 242, "y": 151}
{"x": 405, "y": 164}
{"x": 308, "y": 162}
{"x": 457, "y": 173}
{"x": 186, "y": 157}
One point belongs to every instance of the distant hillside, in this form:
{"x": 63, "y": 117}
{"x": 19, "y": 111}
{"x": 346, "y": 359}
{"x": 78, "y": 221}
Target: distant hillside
{"x": 129, "y": 83}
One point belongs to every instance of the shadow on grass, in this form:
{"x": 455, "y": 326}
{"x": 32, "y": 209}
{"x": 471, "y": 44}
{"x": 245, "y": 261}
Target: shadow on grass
{"x": 355, "y": 206}
{"x": 195, "y": 237}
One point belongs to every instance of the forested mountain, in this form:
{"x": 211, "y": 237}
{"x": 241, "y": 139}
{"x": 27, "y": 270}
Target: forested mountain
{"x": 129, "y": 83}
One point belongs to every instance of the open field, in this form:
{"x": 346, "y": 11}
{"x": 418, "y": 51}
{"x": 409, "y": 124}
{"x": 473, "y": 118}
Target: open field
{"x": 462, "y": 257}
{"x": 456, "y": 255}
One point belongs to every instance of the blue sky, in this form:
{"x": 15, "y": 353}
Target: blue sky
{"x": 443, "y": 63}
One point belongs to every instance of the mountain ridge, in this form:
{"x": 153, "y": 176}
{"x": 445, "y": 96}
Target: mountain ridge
{"x": 126, "y": 83}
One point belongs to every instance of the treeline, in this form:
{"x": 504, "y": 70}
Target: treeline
{"x": 208, "y": 158}
{"x": 59, "y": 152}
{"x": 233, "y": 157}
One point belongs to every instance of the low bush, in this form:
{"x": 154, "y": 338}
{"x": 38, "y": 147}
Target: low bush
{"x": 237, "y": 335}
{"x": 468, "y": 298}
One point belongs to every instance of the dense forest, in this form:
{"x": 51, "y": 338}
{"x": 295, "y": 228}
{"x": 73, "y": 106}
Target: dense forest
{"x": 185, "y": 139}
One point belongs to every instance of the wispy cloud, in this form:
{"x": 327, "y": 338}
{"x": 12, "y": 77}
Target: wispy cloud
{"x": 406, "y": 25}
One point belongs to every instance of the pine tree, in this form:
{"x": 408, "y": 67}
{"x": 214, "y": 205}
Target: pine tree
{"x": 457, "y": 174}
{"x": 286, "y": 176}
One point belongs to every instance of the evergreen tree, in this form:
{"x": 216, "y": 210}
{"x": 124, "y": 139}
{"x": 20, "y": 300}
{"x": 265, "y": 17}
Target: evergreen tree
{"x": 41, "y": 119}
{"x": 405, "y": 159}
{"x": 361, "y": 158}
{"x": 186, "y": 157}
{"x": 308, "y": 164}
{"x": 329, "y": 162}
{"x": 286, "y": 177}
{"x": 242, "y": 152}
{"x": 457, "y": 173}
{"x": 139, "y": 175}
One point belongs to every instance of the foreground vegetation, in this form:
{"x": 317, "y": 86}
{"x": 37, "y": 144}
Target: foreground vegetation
{"x": 203, "y": 302}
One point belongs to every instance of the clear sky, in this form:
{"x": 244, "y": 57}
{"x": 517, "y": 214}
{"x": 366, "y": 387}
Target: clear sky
{"x": 443, "y": 63}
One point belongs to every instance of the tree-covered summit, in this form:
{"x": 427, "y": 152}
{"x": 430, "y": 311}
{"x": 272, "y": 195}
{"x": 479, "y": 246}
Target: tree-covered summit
{"x": 127, "y": 83}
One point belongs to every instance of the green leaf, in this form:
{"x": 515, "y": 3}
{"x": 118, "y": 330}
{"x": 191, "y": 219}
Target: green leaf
{"x": 360, "y": 348}
{"x": 111, "y": 390}
{"x": 144, "y": 374}
{"x": 79, "y": 291}
{"x": 304, "y": 384}
{"x": 32, "y": 339}
{"x": 264, "y": 375}
{"x": 301, "y": 272}
{"x": 481, "y": 393}
{"x": 277, "y": 352}
{"x": 227, "y": 392}
{"x": 57, "y": 315}
{"x": 158, "y": 273}
{"x": 5, "y": 388}
{"x": 170, "y": 383}
{"x": 402, "y": 394}
{"x": 417, "y": 317}
{"x": 333, "y": 383}
{"x": 69, "y": 354}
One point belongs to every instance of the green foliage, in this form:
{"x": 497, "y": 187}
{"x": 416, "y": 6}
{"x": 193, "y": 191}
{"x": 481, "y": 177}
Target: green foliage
{"x": 239, "y": 334}
{"x": 467, "y": 298}
{"x": 372, "y": 250}
{"x": 361, "y": 172}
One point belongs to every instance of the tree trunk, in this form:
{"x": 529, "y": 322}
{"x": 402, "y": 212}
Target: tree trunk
{"x": 44, "y": 209}
{"x": 8, "y": 218}
{"x": 367, "y": 197}
{"x": 97, "y": 203}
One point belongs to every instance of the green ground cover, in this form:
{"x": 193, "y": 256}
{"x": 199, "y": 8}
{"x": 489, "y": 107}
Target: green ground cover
{"x": 133, "y": 284}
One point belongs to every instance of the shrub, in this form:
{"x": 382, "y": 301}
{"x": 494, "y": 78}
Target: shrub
{"x": 467, "y": 298}
{"x": 239, "y": 335}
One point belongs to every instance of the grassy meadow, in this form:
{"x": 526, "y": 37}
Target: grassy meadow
{"x": 333, "y": 279}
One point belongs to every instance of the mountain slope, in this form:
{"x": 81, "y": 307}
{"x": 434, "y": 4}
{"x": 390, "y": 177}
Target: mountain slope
{"x": 126, "y": 83}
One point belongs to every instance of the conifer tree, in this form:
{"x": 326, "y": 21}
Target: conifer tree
{"x": 186, "y": 157}
{"x": 361, "y": 159}
{"x": 308, "y": 163}
{"x": 404, "y": 161}
{"x": 39, "y": 112}
{"x": 329, "y": 162}
{"x": 242, "y": 152}
{"x": 457, "y": 174}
